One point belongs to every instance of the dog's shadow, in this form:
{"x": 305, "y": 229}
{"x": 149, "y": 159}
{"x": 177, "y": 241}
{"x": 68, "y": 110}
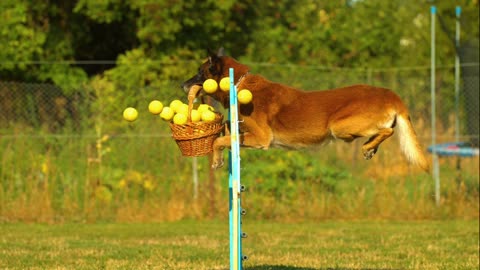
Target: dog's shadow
{"x": 286, "y": 267}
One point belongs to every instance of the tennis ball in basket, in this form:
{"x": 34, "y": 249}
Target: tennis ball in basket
{"x": 244, "y": 96}
{"x": 205, "y": 107}
{"x": 175, "y": 104}
{"x": 195, "y": 116}
{"x": 210, "y": 86}
{"x": 182, "y": 108}
{"x": 155, "y": 107}
{"x": 130, "y": 114}
{"x": 208, "y": 116}
{"x": 167, "y": 114}
{"x": 180, "y": 119}
{"x": 225, "y": 84}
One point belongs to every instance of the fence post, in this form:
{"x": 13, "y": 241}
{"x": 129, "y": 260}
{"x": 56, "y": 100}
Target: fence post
{"x": 458, "y": 11}
{"x": 195, "y": 177}
{"x": 436, "y": 170}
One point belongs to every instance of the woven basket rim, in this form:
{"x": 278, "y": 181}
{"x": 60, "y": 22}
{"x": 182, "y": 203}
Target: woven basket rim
{"x": 198, "y": 135}
{"x": 190, "y": 130}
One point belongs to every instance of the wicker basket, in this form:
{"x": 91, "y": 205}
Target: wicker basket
{"x": 196, "y": 139}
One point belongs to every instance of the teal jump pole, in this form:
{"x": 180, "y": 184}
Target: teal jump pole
{"x": 234, "y": 181}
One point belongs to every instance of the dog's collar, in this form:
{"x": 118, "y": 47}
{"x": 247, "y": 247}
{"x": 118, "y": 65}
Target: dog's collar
{"x": 241, "y": 79}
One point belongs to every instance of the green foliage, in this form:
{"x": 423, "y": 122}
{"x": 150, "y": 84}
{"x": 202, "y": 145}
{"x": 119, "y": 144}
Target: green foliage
{"x": 136, "y": 172}
{"x": 69, "y": 79}
{"x": 20, "y": 41}
{"x": 152, "y": 40}
{"x": 278, "y": 173}
{"x": 101, "y": 11}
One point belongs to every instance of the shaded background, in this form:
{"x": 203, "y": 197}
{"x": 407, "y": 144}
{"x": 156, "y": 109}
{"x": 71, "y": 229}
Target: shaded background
{"x": 67, "y": 71}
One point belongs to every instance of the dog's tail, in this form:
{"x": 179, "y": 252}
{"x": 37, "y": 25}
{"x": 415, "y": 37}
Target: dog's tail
{"x": 409, "y": 143}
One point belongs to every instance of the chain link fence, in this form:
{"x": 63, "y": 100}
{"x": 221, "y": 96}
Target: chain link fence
{"x": 79, "y": 150}
{"x": 34, "y": 105}
{"x": 44, "y": 108}
{"x": 34, "y": 109}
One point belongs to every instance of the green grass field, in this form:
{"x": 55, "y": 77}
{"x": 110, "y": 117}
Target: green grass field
{"x": 204, "y": 245}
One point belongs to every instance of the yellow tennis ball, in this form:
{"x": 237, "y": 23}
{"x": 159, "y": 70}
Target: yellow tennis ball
{"x": 244, "y": 96}
{"x": 182, "y": 108}
{"x": 195, "y": 116}
{"x": 175, "y": 104}
{"x": 155, "y": 107}
{"x": 130, "y": 114}
{"x": 225, "y": 84}
{"x": 180, "y": 119}
{"x": 205, "y": 107}
{"x": 167, "y": 113}
{"x": 210, "y": 86}
{"x": 208, "y": 116}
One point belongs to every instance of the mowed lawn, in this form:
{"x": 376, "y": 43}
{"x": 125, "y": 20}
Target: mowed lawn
{"x": 204, "y": 245}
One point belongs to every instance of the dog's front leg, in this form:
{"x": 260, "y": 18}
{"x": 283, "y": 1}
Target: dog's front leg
{"x": 258, "y": 136}
{"x": 218, "y": 145}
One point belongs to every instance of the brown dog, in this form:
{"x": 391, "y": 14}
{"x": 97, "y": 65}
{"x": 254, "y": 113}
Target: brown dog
{"x": 282, "y": 116}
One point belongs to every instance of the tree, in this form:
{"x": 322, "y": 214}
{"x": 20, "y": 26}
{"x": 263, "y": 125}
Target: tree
{"x": 158, "y": 38}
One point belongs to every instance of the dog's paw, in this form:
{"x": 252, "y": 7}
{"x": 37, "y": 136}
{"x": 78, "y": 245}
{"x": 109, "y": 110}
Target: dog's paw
{"x": 368, "y": 154}
{"x": 216, "y": 164}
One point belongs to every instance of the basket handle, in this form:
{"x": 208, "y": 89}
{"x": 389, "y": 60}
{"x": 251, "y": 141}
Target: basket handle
{"x": 192, "y": 93}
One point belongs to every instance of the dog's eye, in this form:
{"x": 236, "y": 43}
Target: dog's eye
{"x": 213, "y": 70}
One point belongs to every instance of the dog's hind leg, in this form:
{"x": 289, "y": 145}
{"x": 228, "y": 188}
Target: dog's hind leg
{"x": 371, "y": 146}
{"x": 348, "y": 129}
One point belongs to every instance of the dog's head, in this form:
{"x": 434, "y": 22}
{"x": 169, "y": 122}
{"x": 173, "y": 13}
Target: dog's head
{"x": 216, "y": 67}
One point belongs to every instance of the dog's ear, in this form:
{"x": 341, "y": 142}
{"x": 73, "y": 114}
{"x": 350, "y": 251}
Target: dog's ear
{"x": 213, "y": 57}
{"x": 215, "y": 62}
{"x": 220, "y": 52}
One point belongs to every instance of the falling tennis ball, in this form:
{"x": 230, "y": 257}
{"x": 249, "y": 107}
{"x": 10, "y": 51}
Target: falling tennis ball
{"x": 167, "y": 114}
{"x": 155, "y": 107}
{"x": 180, "y": 119}
{"x": 195, "y": 116}
{"x": 225, "y": 84}
{"x": 175, "y": 104}
{"x": 210, "y": 86}
{"x": 244, "y": 96}
{"x": 130, "y": 114}
{"x": 208, "y": 116}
